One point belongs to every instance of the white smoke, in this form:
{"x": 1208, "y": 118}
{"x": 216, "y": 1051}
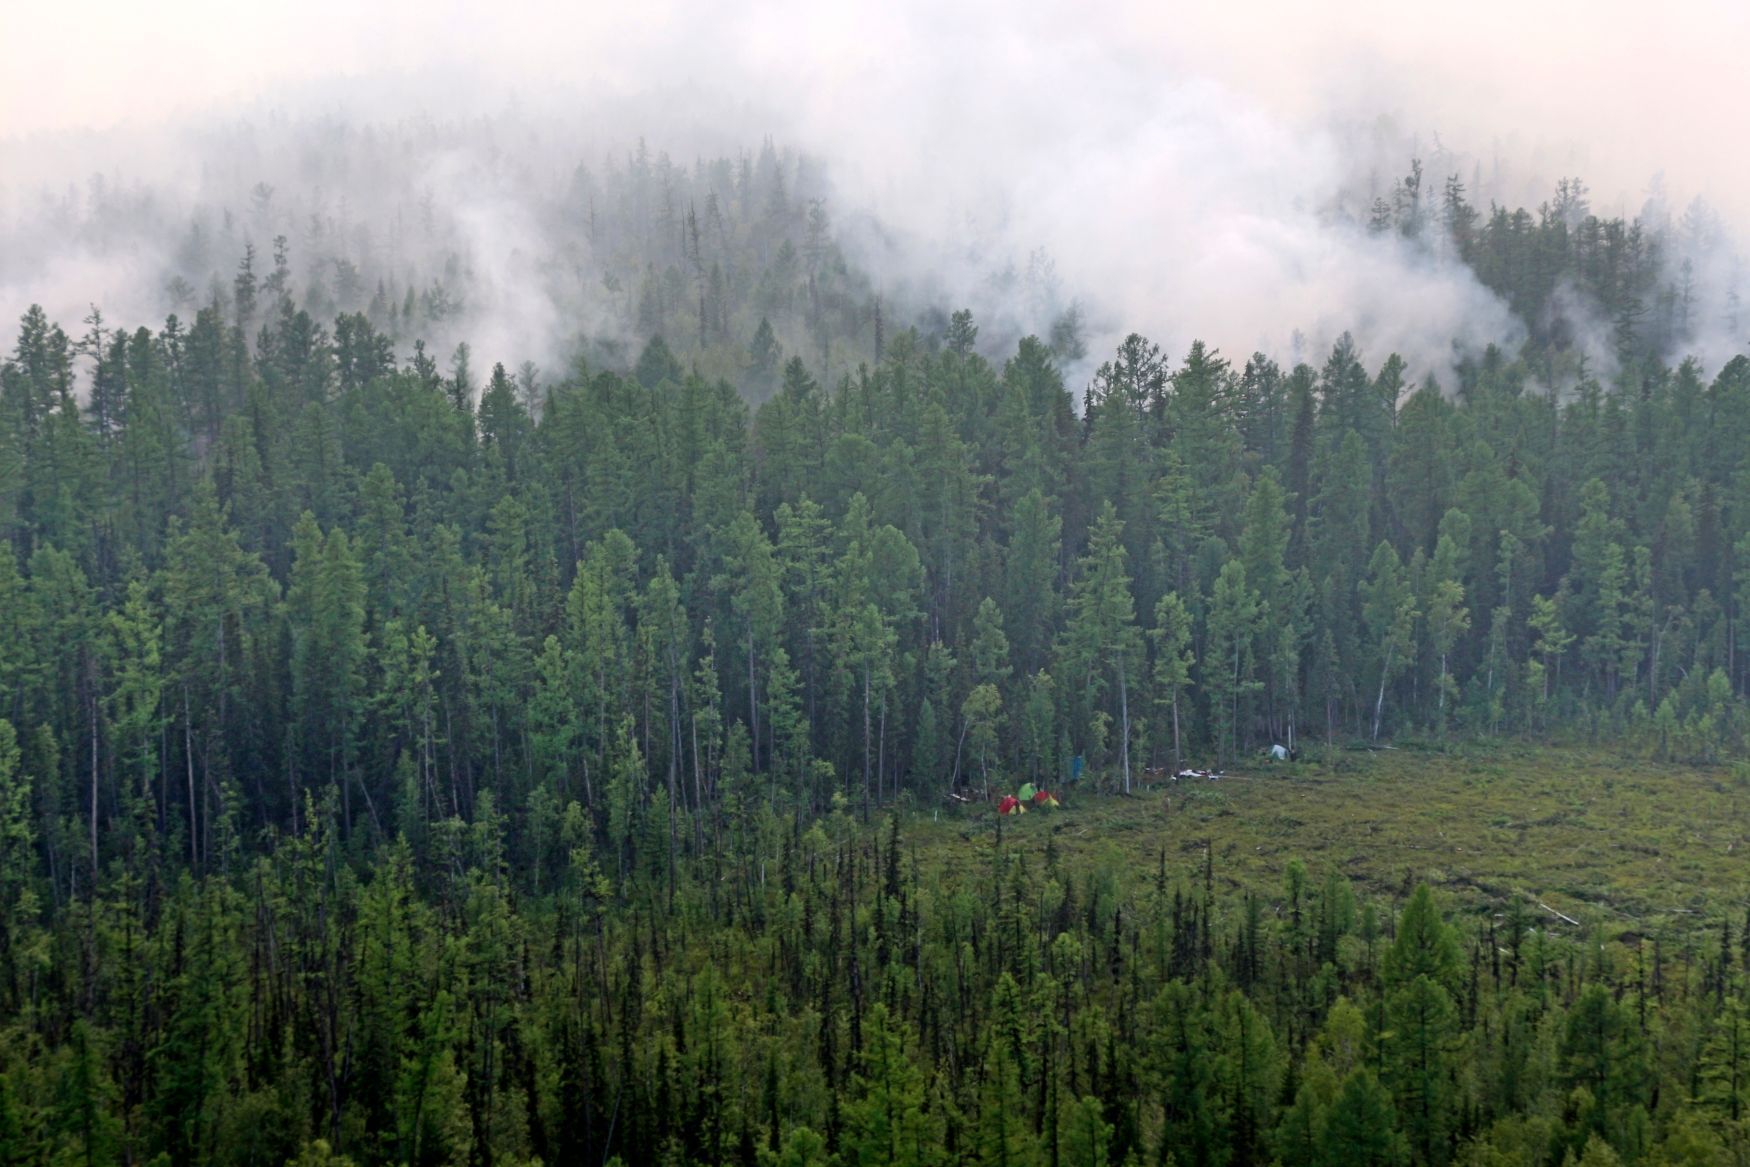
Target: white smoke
{"x": 1192, "y": 177}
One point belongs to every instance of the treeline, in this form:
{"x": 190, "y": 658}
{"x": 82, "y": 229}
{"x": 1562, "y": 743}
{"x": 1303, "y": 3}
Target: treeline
{"x": 240, "y": 573}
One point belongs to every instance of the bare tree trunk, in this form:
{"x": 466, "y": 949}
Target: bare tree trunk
{"x": 866, "y": 742}
{"x": 753, "y": 707}
{"x": 1379, "y": 705}
{"x": 450, "y": 733}
{"x": 1441, "y": 705}
{"x": 94, "y": 794}
{"x": 674, "y": 751}
{"x": 1124, "y": 721}
{"x": 1231, "y": 747}
{"x": 188, "y": 758}
{"x": 954, "y": 779}
{"x": 698, "y": 788}
{"x": 881, "y": 755}
{"x": 1178, "y": 758}
{"x": 345, "y": 786}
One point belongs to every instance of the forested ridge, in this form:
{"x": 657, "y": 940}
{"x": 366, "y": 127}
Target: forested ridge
{"x": 416, "y": 764}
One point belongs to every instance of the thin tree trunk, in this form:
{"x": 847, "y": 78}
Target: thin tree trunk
{"x": 698, "y": 787}
{"x": 345, "y": 786}
{"x": 866, "y": 742}
{"x": 450, "y": 728}
{"x": 753, "y": 708}
{"x": 881, "y": 754}
{"x": 1124, "y": 720}
{"x": 94, "y": 794}
{"x": 954, "y": 779}
{"x": 1178, "y": 758}
{"x": 1379, "y": 705}
{"x": 497, "y": 757}
{"x": 188, "y": 758}
{"x": 674, "y": 750}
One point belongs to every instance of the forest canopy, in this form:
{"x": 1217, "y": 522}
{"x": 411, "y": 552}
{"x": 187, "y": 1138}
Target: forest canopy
{"x": 404, "y": 760}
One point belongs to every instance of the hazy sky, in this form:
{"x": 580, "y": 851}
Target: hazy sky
{"x": 1621, "y": 90}
{"x": 1194, "y": 170}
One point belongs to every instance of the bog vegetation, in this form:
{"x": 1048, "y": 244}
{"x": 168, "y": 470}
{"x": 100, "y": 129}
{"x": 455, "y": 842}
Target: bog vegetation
{"x": 416, "y": 764}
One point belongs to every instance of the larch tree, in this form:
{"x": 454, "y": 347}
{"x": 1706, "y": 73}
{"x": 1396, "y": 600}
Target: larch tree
{"x": 1101, "y": 638}
{"x": 1229, "y": 660}
{"x": 1173, "y": 663}
{"x": 1389, "y": 609}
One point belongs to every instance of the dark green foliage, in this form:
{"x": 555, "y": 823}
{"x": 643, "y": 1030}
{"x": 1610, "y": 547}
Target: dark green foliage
{"x": 412, "y": 770}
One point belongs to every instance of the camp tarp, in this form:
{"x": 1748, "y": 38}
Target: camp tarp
{"x": 1026, "y": 793}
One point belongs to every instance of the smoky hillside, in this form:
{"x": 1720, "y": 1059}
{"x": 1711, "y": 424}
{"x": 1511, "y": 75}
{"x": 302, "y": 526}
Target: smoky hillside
{"x": 495, "y": 236}
{"x": 534, "y": 243}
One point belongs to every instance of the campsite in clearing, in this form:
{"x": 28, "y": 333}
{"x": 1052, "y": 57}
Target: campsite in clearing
{"x": 1627, "y": 846}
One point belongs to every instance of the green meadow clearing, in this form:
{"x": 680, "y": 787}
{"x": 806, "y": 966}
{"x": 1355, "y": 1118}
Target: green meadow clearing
{"x": 1626, "y": 845}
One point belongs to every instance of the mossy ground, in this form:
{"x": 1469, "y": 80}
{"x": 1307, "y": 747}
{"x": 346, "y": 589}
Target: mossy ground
{"x": 1624, "y": 844}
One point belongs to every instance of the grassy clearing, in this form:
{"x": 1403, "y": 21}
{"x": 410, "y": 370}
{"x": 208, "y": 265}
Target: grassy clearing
{"x": 1629, "y": 845}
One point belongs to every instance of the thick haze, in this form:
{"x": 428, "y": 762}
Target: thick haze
{"x": 1190, "y": 172}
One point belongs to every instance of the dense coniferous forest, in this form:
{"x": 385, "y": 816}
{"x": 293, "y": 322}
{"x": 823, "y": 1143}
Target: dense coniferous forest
{"x": 409, "y": 762}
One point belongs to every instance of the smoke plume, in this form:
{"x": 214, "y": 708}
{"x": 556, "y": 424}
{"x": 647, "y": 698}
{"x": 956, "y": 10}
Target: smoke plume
{"x": 1185, "y": 176}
